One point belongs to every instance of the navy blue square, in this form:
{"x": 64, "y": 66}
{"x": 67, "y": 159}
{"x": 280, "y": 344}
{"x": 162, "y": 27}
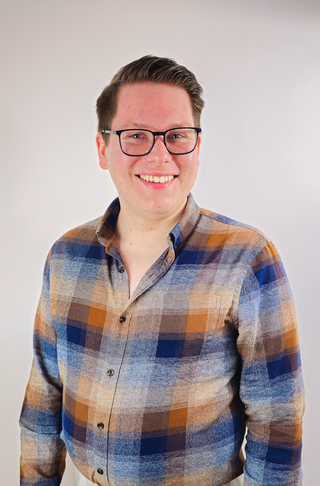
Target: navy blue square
{"x": 279, "y": 456}
{"x": 279, "y": 367}
{"x": 169, "y": 348}
{"x": 95, "y": 252}
{"x": 153, "y": 445}
{"x": 191, "y": 257}
{"x": 76, "y": 335}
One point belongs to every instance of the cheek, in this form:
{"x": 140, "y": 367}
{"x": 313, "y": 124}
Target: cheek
{"x": 188, "y": 161}
{"x": 119, "y": 163}
{"x": 122, "y": 171}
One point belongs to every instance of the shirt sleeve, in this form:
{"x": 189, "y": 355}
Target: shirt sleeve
{"x": 42, "y": 451}
{"x": 271, "y": 386}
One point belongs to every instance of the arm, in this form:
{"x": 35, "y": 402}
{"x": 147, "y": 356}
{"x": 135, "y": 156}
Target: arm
{"x": 42, "y": 450}
{"x": 271, "y": 385}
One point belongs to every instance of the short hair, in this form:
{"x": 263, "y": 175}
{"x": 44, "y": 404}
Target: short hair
{"x": 154, "y": 69}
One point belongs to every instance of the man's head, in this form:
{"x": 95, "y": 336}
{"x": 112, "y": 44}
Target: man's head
{"x": 151, "y": 96}
{"x": 159, "y": 70}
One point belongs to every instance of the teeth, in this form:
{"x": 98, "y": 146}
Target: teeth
{"x": 156, "y": 179}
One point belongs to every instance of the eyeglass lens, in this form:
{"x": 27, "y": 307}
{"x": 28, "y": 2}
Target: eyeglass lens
{"x": 178, "y": 141}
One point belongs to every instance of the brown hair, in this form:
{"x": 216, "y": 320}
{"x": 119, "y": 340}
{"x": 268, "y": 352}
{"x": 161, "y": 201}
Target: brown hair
{"x": 148, "y": 68}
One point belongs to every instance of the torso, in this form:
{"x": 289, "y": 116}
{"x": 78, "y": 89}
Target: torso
{"x": 138, "y": 260}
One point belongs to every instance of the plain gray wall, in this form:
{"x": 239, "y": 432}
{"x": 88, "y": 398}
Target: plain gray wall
{"x": 259, "y": 64}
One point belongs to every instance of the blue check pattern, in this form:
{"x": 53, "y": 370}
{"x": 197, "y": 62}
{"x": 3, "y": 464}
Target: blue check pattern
{"x": 158, "y": 389}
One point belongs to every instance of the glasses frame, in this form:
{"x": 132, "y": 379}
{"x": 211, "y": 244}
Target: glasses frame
{"x": 163, "y": 134}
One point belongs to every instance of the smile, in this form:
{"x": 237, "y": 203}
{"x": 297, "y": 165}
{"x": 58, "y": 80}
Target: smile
{"x": 156, "y": 179}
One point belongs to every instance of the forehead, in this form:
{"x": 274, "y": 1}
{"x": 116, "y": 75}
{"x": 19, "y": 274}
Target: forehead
{"x": 153, "y": 103}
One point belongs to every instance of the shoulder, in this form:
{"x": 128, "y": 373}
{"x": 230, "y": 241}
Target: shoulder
{"x": 77, "y": 240}
{"x": 240, "y": 245}
{"x": 230, "y": 231}
{"x": 85, "y": 232}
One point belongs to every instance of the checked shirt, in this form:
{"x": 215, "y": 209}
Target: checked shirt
{"x": 158, "y": 389}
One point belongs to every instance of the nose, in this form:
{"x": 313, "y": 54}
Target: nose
{"x": 159, "y": 152}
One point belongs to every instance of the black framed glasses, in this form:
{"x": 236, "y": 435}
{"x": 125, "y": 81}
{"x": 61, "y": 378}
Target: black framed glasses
{"x": 137, "y": 142}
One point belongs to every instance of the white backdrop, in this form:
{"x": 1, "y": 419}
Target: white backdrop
{"x": 259, "y": 64}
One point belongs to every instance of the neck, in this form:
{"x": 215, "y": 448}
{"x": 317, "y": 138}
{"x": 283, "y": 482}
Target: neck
{"x": 133, "y": 229}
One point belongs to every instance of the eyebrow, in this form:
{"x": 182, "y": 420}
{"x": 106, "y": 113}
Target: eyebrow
{"x": 142, "y": 126}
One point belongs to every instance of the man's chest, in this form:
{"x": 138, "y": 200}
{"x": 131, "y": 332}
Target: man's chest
{"x": 178, "y": 307}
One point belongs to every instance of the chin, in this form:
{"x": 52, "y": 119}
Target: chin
{"x": 165, "y": 207}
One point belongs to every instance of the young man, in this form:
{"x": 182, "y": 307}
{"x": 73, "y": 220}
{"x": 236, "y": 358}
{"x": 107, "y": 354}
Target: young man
{"x": 163, "y": 331}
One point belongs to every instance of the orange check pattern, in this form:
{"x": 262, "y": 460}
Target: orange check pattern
{"x": 157, "y": 389}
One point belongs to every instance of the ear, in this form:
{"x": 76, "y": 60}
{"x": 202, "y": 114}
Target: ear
{"x": 101, "y": 147}
{"x": 198, "y": 146}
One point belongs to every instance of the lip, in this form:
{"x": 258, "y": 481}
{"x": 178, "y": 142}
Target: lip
{"x": 157, "y": 174}
{"x": 157, "y": 186}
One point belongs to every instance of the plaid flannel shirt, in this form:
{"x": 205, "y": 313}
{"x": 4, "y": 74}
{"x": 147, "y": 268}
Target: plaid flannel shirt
{"x": 157, "y": 389}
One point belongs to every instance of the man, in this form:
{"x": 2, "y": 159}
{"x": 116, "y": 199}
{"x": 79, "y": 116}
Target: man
{"x": 163, "y": 331}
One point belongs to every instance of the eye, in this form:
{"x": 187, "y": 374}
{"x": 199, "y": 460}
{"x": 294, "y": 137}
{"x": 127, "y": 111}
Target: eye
{"x": 178, "y": 135}
{"x": 137, "y": 135}
{"x": 175, "y": 135}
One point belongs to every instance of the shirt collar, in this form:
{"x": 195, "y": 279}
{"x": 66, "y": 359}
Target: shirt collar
{"x": 186, "y": 225}
{"x": 182, "y": 230}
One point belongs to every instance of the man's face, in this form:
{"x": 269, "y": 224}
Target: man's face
{"x": 156, "y": 107}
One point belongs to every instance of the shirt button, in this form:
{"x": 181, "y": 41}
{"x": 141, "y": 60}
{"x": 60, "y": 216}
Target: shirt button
{"x": 110, "y": 373}
{"x": 122, "y": 319}
{"x": 121, "y": 269}
{"x": 100, "y": 425}
{"x": 100, "y": 471}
